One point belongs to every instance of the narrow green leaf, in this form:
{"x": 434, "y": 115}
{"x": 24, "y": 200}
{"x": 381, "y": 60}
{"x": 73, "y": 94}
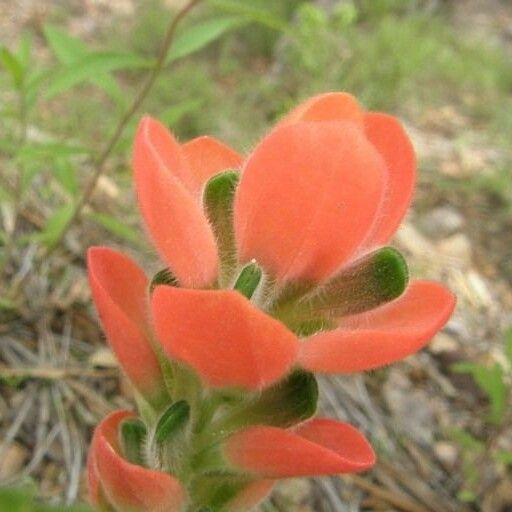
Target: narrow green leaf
{"x": 503, "y": 457}
{"x": 24, "y": 52}
{"x": 164, "y": 276}
{"x": 370, "y": 282}
{"x": 491, "y": 382}
{"x": 248, "y": 280}
{"x": 69, "y": 49}
{"x": 253, "y": 14}
{"x": 200, "y": 35}
{"x": 172, "y": 115}
{"x": 133, "y": 433}
{"x": 284, "y": 404}
{"x": 508, "y": 344}
{"x": 115, "y": 226}
{"x": 56, "y": 224}
{"x": 64, "y": 172}
{"x": 172, "y": 420}
{"x": 218, "y": 198}
{"x": 92, "y": 64}
{"x": 13, "y": 66}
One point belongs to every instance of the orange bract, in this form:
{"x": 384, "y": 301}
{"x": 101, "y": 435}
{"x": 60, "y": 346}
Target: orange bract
{"x": 300, "y": 193}
{"x": 381, "y": 336}
{"x": 128, "y": 486}
{"x": 119, "y": 288}
{"x": 318, "y": 447}
{"x": 220, "y": 334}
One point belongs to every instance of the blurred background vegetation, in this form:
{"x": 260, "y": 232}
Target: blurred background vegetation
{"x": 70, "y": 71}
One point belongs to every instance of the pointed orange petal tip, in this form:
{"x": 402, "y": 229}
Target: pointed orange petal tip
{"x": 299, "y": 194}
{"x": 330, "y": 106}
{"x": 383, "y": 335}
{"x": 220, "y": 334}
{"x": 206, "y": 157}
{"x": 388, "y": 136}
{"x": 318, "y": 447}
{"x": 172, "y": 214}
{"x": 128, "y": 486}
{"x": 119, "y": 289}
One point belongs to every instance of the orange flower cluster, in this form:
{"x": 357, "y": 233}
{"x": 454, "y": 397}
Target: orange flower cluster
{"x": 276, "y": 267}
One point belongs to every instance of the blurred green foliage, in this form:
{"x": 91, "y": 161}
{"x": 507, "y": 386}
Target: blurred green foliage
{"x": 495, "y": 381}
{"x": 22, "y": 499}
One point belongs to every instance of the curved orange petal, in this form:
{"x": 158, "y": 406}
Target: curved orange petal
{"x": 128, "y": 486}
{"x": 318, "y": 447}
{"x": 253, "y": 494}
{"x": 381, "y": 336}
{"x": 220, "y": 334}
{"x": 120, "y": 292}
{"x": 390, "y": 139}
{"x": 206, "y": 157}
{"x": 299, "y": 195}
{"x": 173, "y": 216}
{"x": 330, "y": 106}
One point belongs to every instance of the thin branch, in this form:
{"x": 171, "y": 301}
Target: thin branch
{"x": 99, "y": 165}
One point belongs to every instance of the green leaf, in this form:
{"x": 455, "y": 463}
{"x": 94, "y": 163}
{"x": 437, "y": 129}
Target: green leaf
{"x": 163, "y": 277}
{"x": 24, "y": 52}
{"x": 248, "y": 280}
{"x": 253, "y": 14}
{"x": 83, "y": 69}
{"x": 13, "y": 66}
{"x": 508, "y": 344}
{"x": 133, "y": 434}
{"x": 200, "y": 35}
{"x": 69, "y": 50}
{"x": 370, "y": 282}
{"x": 172, "y": 420}
{"x": 503, "y": 457}
{"x": 290, "y": 401}
{"x": 115, "y": 226}
{"x": 218, "y": 198}
{"x": 64, "y": 172}
{"x": 466, "y": 441}
{"x": 23, "y": 499}
{"x": 55, "y": 224}
{"x": 491, "y": 382}
{"x": 48, "y": 151}
{"x": 172, "y": 115}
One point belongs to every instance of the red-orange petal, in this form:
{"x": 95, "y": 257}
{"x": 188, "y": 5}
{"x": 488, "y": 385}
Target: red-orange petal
{"x": 120, "y": 292}
{"x": 388, "y": 136}
{"x": 173, "y": 215}
{"x": 220, "y": 334}
{"x": 330, "y": 106}
{"x": 318, "y": 447}
{"x": 307, "y": 198}
{"x": 206, "y": 157}
{"x": 253, "y": 494}
{"x": 382, "y": 336}
{"x": 128, "y": 486}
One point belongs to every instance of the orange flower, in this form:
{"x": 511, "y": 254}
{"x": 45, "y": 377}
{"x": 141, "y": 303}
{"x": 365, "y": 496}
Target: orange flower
{"x": 276, "y": 268}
